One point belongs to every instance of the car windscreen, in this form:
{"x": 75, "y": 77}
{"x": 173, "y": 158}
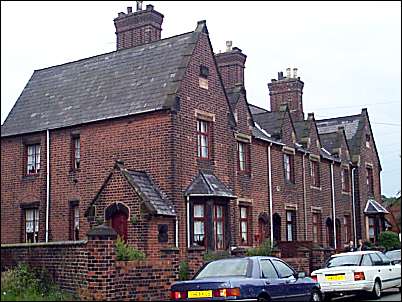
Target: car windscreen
{"x": 347, "y": 260}
{"x": 224, "y": 268}
{"x": 394, "y": 255}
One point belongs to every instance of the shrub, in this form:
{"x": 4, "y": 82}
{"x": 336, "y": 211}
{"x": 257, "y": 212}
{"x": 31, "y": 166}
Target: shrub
{"x": 210, "y": 256}
{"x": 389, "y": 240}
{"x": 263, "y": 250}
{"x": 125, "y": 252}
{"x": 184, "y": 271}
{"x": 23, "y": 284}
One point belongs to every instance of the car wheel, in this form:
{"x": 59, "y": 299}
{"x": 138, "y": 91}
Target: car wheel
{"x": 263, "y": 298}
{"x": 315, "y": 296}
{"x": 376, "y": 292}
{"x": 327, "y": 297}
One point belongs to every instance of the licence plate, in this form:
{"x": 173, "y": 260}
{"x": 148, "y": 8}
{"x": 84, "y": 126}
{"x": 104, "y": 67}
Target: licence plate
{"x": 335, "y": 278}
{"x": 200, "y": 294}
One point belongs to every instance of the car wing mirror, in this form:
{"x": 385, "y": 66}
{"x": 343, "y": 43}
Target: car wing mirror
{"x": 301, "y": 275}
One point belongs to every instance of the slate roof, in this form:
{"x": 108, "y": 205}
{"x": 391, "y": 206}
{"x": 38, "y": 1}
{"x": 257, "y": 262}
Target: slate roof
{"x": 149, "y": 193}
{"x": 302, "y": 129}
{"x": 353, "y": 126}
{"x": 154, "y": 199}
{"x": 207, "y": 184}
{"x": 373, "y": 207}
{"x": 124, "y": 82}
{"x": 233, "y": 95}
{"x": 255, "y": 109}
{"x": 271, "y": 122}
{"x": 330, "y": 141}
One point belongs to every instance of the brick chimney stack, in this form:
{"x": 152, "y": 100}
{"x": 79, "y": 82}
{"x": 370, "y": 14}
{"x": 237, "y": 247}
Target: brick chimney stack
{"x": 231, "y": 65}
{"x": 287, "y": 90}
{"x": 138, "y": 28}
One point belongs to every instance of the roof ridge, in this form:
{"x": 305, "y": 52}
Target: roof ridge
{"x": 333, "y": 118}
{"x": 114, "y": 51}
{"x": 259, "y": 107}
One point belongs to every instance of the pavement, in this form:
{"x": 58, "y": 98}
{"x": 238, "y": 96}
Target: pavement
{"x": 392, "y": 294}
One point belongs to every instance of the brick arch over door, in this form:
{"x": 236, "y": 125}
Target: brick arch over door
{"x": 117, "y": 215}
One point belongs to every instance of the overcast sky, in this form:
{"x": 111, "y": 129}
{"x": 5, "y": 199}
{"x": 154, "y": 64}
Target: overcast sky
{"x": 348, "y": 53}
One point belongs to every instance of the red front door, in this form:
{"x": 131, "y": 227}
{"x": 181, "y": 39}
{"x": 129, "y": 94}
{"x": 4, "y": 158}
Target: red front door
{"x": 119, "y": 224}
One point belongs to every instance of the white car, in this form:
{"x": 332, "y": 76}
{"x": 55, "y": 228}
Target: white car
{"x": 356, "y": 272}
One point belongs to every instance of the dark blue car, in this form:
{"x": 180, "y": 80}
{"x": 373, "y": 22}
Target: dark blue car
{"x": 247, "y": 279}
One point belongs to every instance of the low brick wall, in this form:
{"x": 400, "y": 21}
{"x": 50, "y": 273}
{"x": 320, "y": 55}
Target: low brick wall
{"x": 299, "y": 264}
{"x": 89, "y": 268}
{"x": 146, "y": 280}
{"x": 66, "y": 262}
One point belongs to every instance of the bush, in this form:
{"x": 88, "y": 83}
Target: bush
{"x": 263, "y": 250}
{"x": 125, "y": 252}
{"x": 389, "y": 240}
{"x": 184, "y": 271}
{"x": 210, "y": 256}
{"x": 23, "y": 284}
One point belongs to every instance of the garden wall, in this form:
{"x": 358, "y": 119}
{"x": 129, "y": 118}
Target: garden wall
{"x": 89, "y": 268}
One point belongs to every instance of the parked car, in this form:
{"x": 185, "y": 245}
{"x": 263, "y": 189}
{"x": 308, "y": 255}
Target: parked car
{"x": 356, "y": 272}
{"x": 247, "y": 279}
{"x": 394, "y": 255}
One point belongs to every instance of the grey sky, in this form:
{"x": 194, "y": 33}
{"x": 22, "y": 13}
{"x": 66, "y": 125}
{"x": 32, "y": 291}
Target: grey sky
{"x": 348, "y": 54}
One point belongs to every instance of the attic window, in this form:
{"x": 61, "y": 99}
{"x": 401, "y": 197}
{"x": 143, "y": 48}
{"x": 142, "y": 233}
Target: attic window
{"x": 368, "y": 140}
{"x": 204, "y": 71}
{"x": 203, "y": 77}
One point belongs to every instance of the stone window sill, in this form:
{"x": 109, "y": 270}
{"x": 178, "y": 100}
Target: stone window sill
{"x": 315, "y": 188}
{"x": 196, "y": 248}
{"x": 29, "y": 177}
{"x": 345, "y": 193}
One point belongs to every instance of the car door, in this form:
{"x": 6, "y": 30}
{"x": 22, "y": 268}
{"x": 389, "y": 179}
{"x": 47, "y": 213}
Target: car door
{"x": 380, "y": 270}
{"x": 273, "y": 285}
{"x": 295, "y": 290}
{"x": 392, "y": 274}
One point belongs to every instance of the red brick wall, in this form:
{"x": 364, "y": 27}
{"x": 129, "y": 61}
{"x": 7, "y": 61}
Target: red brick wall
{"x": 368, "y": 156}
{"x": 142, "y": 141}
{"x": 66, "y": 262}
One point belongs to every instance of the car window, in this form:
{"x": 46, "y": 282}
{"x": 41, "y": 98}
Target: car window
{"x": 394, "y": 255}
{"x": 224, "y": 268}
{"x": 346, "y": 260}
{"x": 268, "y": 270}
{"x": 366, "y": 260}
{"x": 376, "y": 259}
{"x": 384, "y": 258}
{"x": 284, "y": 271}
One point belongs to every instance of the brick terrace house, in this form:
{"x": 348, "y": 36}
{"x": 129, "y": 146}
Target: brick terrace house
{"x": 157, "y": 139}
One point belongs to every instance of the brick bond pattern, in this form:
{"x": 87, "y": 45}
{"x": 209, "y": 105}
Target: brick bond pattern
{"x": 164, "y": 144}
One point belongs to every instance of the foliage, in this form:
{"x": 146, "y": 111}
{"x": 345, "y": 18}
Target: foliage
{"x": 184, "y": 271}
{"x": 389, "y": 240}
{"x": 210, "y": 256}
{"x": 24, "y": 284}
{"x": 134, "y": 220}
{"x": 124, "y": 252}
{"x": 263, "y": 250}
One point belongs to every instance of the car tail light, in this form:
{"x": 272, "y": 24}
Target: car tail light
{"x": 314, "y": 278}
{"x": 359, "y": 276}
{"x": 178, "y": 295}
{"x": 227, "y": 292}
